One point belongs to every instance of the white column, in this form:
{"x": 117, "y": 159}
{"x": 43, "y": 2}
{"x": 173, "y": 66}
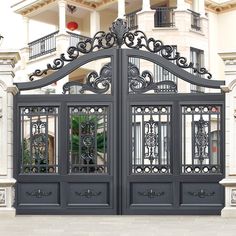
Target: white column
{"x": 201, "y": 7}
{"x": 25, "y": 33}
{"x": 7, "y": 91}
{"x": 195, "y": 6}
{"x": 181, "y": 5}
{"x": 62, "y": 16}
{"x": 146, "y": 5}
{"x": 94, "y": 22}
{"x": 121, "y": 9}
{"x": 229, "y": 182}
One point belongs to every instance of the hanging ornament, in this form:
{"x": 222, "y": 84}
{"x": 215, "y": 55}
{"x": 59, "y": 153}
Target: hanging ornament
{"x": 72, "y": 25}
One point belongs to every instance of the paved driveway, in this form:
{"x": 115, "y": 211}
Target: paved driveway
{"x": 117, "y": 225}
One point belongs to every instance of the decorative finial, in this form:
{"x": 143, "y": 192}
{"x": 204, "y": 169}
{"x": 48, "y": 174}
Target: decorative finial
{"x": 119, "y": 28}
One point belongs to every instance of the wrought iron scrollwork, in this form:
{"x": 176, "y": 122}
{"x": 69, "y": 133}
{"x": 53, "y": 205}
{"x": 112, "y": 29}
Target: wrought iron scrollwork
{"x": 39, "y": 193}
{"x": 119, "y": 34}
{"x": 150, "y": 193}
{"x": 145, "y": 82}
{"x": 201, "y": 194}
{"x": 95, "y": 83}
{"x": 89, "y": 193}
{"x": 201, "y": 139}
{"x": 151, "y": 140}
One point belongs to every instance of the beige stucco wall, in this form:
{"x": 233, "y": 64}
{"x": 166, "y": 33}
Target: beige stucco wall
{"x": 226, "y": 31}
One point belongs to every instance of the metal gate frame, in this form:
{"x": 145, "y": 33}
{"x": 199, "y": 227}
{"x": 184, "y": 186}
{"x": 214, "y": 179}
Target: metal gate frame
{"x": 118, "y": 186}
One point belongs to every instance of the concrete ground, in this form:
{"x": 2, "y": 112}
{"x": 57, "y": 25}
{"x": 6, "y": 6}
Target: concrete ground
{"x": 117, "y": 226}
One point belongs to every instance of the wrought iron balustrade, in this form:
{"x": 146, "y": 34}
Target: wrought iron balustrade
{"x": 42, "y": 46}
{"x": 75, "y": 38}
{"x": 195, "y": 20}
{"x": 164, "y": 17}
{"x": 132, "y": 20}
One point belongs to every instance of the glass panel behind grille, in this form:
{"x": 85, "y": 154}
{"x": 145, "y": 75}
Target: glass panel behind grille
{"x": 88, "y": 139}
{"x": 39, "y": 139}
{"x": 151, "y": 139}
{"x": 201, "y": 139}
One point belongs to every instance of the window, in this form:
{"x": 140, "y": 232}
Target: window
{"x": 197, "y": 58}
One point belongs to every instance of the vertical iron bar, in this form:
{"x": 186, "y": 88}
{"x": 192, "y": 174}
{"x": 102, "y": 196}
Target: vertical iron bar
{"x": 209, "y": 140}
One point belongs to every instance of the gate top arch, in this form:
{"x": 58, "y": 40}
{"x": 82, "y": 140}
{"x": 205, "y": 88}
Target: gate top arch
{"x": 119, "y": 37}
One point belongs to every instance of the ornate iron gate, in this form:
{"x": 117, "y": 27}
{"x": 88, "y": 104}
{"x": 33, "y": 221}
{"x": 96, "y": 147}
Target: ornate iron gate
{"x": 126, "y": 140}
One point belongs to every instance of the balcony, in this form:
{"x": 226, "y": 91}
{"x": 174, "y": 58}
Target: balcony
{"x": 47, "y": 44}
{"x": 75, "y": 38}
{"x": 42, "y": 46}
{"x": 164, "y": 17}
{"x": 132, "y": 20}
{"x": 195, "y": 20}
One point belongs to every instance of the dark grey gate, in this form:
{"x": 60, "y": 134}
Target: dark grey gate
{"x": 129, "y": 140}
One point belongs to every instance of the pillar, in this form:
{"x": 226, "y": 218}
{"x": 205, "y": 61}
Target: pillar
{"x": 25, "y": 33}
{"x": 62, "y": 16}
{"x": 146, "y": 5}
{"x": 7, "y": 91}
{"x": 121, "y": 9}
{"x": 94, "y": 23}
{"x": 229, "y": 182}
{"x": 195, "y": 6}
{"x": 201, "y": 8}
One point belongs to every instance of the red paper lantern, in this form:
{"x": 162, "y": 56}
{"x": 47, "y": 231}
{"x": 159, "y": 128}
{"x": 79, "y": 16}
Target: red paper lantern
{"x": 72, "y": 25}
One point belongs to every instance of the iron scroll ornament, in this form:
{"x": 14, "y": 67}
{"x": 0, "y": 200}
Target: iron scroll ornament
{"x": 95, "y": 83}
{"x": 38, "y": 193}
{"x": 141, "y": 83}
{"x": 150, "y": 193}
{"x": 201, "y": 194}
{"x": 119, "y": 34}
{"x": 89, "y": 193}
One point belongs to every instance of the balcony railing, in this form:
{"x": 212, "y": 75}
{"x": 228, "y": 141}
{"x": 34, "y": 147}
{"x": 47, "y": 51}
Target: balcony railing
{"x": 132, "y": 20}
{"x": 42, "y": 46}
{"x": 195, "y": 20}
{"x": 75, "y": 38}
{"x": 164, "y": 17}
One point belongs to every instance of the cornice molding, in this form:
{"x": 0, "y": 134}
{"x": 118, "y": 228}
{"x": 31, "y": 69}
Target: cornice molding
{"x": 9, "y": 57}
{"x": 229, "y": 58}
{"x": 216, "y": 7}
{"x": 26, "y": 9}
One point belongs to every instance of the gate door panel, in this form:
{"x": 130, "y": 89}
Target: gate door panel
{"x": 65, "y": 143}
{"x": 172, "y": 148}
{"x": 122, "y": 133}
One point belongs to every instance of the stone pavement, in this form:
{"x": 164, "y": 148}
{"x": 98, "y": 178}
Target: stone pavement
{"x": 117, "y": 226}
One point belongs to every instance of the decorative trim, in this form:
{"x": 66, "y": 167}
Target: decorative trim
{"x": 89, "y": 193}
{"x": 233, "y": 196}
{"x": 118, "y": 36}
{"x": 2, "y": 196}
{"x": 201, "y": 194}
{"x": 38, "y": 193}
{"x": 12, "y": 89}
{"x": 150, "y": 193}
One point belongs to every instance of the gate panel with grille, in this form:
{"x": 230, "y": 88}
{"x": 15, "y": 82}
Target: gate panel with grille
{"x": 126, "y": 139}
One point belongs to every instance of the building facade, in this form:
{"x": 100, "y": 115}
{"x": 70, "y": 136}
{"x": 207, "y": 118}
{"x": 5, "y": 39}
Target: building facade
{"x": 44, "y": 29}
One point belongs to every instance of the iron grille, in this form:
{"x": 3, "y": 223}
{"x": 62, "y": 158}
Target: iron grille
{"x": 88, "y": 139}
{"x": 42, "y": 46}
{"x": 201, "y": 134}
{"x": 151, "y": 139}
{"x": 38, "y": 146}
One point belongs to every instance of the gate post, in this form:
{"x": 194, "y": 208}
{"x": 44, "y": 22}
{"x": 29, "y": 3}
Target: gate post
{"x": 7, "y": 90}
{"x": 230, "y": 143}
